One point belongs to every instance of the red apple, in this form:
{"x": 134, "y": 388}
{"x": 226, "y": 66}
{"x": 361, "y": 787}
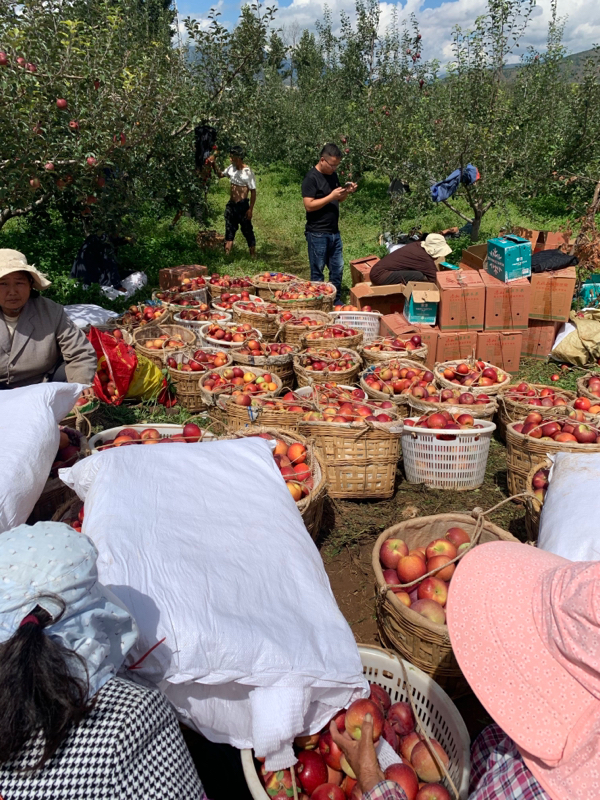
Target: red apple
{"x": 411, "y": 568}
{"x": 424, "y": 764}
{"x": 457, "y": 536}
{"x": 329, "y": 750}
{"x": 431, "y": 610}
{"x": 441, "y": 567}
{"x": 406, "y": 744}
{"x": 311, "y": 770}
{"x": 355, "y": 716}
{"x": 433, "y": 589}
{"x": 328, "y": 791}
{"x": 390, "y": 735}
{"x": 433, "y": 791}
{"x": 441, "y": 547}
{"x": 392, "y": 550}
{"x": 401, "y": 718}
{"x": 310, "y": 742}
{"x": 380, "y": 696}
{"x": 405, "y": 777}
{"x": 192, "y": 432}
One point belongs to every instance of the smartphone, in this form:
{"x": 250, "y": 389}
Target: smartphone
{"x": 348, "y": 185}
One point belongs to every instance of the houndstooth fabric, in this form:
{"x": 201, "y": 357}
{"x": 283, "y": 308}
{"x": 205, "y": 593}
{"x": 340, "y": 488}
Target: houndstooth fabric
{"x": 128, "y": 748}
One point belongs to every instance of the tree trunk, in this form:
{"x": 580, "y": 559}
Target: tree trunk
{"x": 476, "y": 224}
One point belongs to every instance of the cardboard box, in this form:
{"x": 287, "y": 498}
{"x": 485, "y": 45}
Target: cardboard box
{"x": 462, "y": 300}
{"x": 360, "y": 268}
{"x": 535, "y": 237}
{"x": 398, "y": 325}
{"x": 422, "y": 300}
{"x": 501, "y": 348}
{"x": 172, "y": 277}
{"x": 454, "y": 345}
{"x": 554, "y": 240}
{"x": 474, "y": 257}
{"x": 552, "y": 294}
{"x": 538, "y": 339}
{"x": 509, "y": 258}
{"x": 385, "y": 299}
{"x": 506, "y": 304}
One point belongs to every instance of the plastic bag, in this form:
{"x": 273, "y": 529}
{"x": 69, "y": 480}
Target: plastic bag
{"x": 147, "y": 381}
{"x": 582, "y": 346}
{"x": 117, "y": 359}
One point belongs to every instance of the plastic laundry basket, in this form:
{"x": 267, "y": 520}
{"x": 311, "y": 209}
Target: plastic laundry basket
{"x": 437, "y": 713}
{"x": 365, "y": 321}
{"x": 457, "y": 462}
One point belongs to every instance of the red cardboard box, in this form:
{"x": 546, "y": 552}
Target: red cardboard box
{"x": 385, "y": 299}
{"x": 538, "y": 339}
{"x": 360, "y": 268}
{"x": 474, "y": 257}
{"x": 453, "y": 345}
{"x": 501, "y": 348}
{"x": 462, "y": 300}
{"x": 172, "y": 277}
{"x": 506, "y": 304}
{"x": 398, "y": 325}
{"x": 552, "y": 294}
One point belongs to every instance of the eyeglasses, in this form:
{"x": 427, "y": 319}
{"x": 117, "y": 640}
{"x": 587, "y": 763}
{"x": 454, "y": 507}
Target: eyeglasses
{"x": 333, "y": 166}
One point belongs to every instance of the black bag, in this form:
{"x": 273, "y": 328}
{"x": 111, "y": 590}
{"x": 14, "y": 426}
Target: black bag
{"x": 551, "y": 260}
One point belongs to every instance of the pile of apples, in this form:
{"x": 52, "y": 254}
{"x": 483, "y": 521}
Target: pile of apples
{"x": 275, "y": 277}
{"x": 323, "y": 773}
{"x": 68, "y": 450}
{"x": 127, "y": 436}
{"x": 454, "y": 397}
{"x": 299, "y": 321}
{"x": 565, "y": 429}
{"x": 243, "y": 384}
{"x": 300, "y": 290}
{"x": 258, "y": 307}
{"x": 142, "y": 315}
{"x": 203, "y": 316}
{"x": 178, "y": 298}
{"x": 593, "y": 385}
{"x": 322, "y": 360}
{"x": 200, "y": 362}
{"x": 585, "y": 404}
{"x": 234, "y": 333}
{"x": 263, "y": 349}
{"x": 289, "y": 402}
{"x": 227, "y": 282}
{"x": 226, "y": 300}
{"x": 164, "y": 342}
{"x": 392, "y": 378}
{"x": 393, "y": 344}
{"x": 192, "y": 284}
{"x": 333, "y": 332}
{"x": 108, "y": 385}
{"x": 477, "y": 374}
{"x": 291, "y": 460}
{"x": 401, "y": 566}
{"x": 336, "y": 404}
{"x": 529, "y": 395}
{"x": 444, "y": 420}
{"x": 540, "y": 483}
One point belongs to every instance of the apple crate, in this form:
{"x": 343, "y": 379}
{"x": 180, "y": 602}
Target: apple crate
{"x": 307, "y": 377}
{"x": 266, "y": 323}
{"x": 143, "y": 335}
{"x": 55, "y": 492}
{"x": 511, "y": 410}
{"x": 311, "y": 506}
{"x": 187, "y": 384}
{"x": 477, "y": 411}
{"x": 533, "y": 506}
{"x": 379, "y": 356}
{"x": 457, "y": 463}
{"x": 582, "y": 386}
{"x": 366, "y": 321}
{"x": 438, "y": 371}
{"x": 424, "y": 643}
{"x": 437, "y": 715}
{"x": 165, "y": 430}
{"x": 399, "y": 400}
{"x": 265, "y": 289}
{"x": 292, "y": 334}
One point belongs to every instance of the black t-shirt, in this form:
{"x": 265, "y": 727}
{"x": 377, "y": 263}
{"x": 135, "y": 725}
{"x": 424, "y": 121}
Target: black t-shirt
{"x": 318, "y": 185}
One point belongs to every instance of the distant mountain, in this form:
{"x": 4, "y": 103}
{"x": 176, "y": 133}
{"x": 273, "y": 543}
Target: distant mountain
{"x": 575, "y": 63}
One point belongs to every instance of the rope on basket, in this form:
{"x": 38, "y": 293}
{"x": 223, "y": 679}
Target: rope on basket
{"x": 79, "y": 417}
{"x": 294, "y": 787}
{"x": 432, "y": 752}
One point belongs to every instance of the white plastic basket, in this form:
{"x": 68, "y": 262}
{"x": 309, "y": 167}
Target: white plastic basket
{"x": 437, "y": 713}
{"x": 165, "y": 430}
{"x": 365, "y": 321}
{"x": 457, "y": 464}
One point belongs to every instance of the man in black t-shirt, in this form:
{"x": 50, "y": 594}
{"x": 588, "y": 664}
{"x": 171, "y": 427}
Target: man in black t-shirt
{"x": 322, "y": 195}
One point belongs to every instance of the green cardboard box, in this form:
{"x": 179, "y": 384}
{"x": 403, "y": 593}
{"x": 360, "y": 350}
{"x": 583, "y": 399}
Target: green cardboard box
{"x": 421, "y": 302}
{"x": 509, "y": 258}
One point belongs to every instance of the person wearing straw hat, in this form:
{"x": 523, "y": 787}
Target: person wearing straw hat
{"x": 38, "y": 341}
{"x": 72, "y": 727}
{"x": 417, "y": 261}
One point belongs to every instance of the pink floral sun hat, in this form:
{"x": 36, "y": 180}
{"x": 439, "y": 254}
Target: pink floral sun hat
{"x": 525, "y": 628}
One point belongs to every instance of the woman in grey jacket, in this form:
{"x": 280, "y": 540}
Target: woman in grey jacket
{"x": 38, "y": 341}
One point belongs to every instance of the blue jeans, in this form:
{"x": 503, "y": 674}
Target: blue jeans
{"x": 325, "y": 250}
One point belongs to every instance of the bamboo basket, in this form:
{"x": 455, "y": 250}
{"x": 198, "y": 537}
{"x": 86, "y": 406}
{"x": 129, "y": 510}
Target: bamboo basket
{"x": 513, "y": 410}
{"x": 360, "y": 458}
{"x": 282, "y": 366}
{"x": 214, "y": 290}
{"x": 153, "y": 332}
{"x": 482, "y": 411}
{"x": 82, "y": 421}
{"x": 265, "y": 289}
{"x": 253, "y": 298}
{"x": 55, "y": 492}
{"x": 533, "y": 507}
{"x": 219, "y": 397}
{"x": 378, "y": 357}
{"x": 266, "y": 323}
{"x": 523, "y": 453}
{"x": 70, "y": 507}
{"x": 311, "y": 506}
{"x": 328, "y": 299}
{"x": 187, "y": 384}
{"x": 424, "y": 643}
{"x": 198, "y": 294}
{"x": 128, "y": 325}
{"x": 582, "y": 389}
{"x": 240, "y": 417}
{"x": 308, "y": 377}
{"x": 399, "y": 400}
{"x": 219, "y": 343}
{"x": 491, "y": 390}
{"x": 353, "y": 342}
{"x": 292, "y": 334}
{"x": 195, "y": 324}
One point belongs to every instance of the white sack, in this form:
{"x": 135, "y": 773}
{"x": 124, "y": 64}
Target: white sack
{"x": 571, "y": 510}
{"x": 84, "y": 314}
{"x": 565, "y": 329}
{"x": 131, "y": 283}
{"x": 29, "y": 435}
{"x": 204, "y": 544}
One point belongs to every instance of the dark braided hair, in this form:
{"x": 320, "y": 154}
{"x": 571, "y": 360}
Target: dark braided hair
{"x": 38, "y": 691}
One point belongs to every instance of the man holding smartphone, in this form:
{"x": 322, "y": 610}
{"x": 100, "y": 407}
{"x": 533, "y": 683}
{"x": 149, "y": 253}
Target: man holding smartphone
{"x": 322, "y": 195}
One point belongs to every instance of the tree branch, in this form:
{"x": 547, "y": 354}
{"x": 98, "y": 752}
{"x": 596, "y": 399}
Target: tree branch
{"x": 456, "y": 211}
{"x": 9, "y": 213}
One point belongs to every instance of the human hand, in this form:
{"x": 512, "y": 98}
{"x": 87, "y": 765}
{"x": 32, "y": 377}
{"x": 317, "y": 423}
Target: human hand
{"x": 249, "y": 214}
{"x": 360, "y": 755}
{"x": 339, "y": 193}
{"x": 351, "y": 187}
{"x": 89, "y": 393}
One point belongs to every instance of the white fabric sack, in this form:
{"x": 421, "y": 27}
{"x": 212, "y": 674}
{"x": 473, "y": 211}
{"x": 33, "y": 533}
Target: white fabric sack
{"x": 132, "y": 283}
{"x": 205, "y": 546}
{"x": 29, "y": 435}
{"x": 569, "y": 519}
{"x": 565, "y": 329}
{"x": 84, "y": 314}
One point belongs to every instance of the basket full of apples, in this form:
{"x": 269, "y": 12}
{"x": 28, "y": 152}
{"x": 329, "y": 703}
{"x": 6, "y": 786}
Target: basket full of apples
{"x": 157, "y": 342}
{"x": 239, "y": 383}
{"x": 299, "y": 295}
{"x": 293, "y": 326}
{"x": 267, "y": 283}
{"x": 387, "y": 348}
{"x": 225, "y": 301}
{"x": 321, "y": 365}
{"x": 277, "y": 357}
{"x": 143, "y": 434}
{"x": 517, "y": 399}
{"x": 456, "y": 401}
{"x": 589, "y": 386}
{"x": 446, "y": 451}
{"x": 229, "y": 334}
{"x": 365, "y": 319}
{"x": 323, "y": 773}
{"x": 184, "y": 371}
{"x": 536, "y": 486}
{"x": 335, "y": 333}
{"x": 143, "y": 314}
{"x": 535, "y": 437}
{"x": 260, "y": 314}
{"x": 284, "y": 412}
{"x": 176, "y": 300}
{"x": 197, "y": 319}
{"x": 394, "y": 380}
{"x": 476, "y": 375}
{"x": 218, "y": 284}
{"x": 414, "y": 562}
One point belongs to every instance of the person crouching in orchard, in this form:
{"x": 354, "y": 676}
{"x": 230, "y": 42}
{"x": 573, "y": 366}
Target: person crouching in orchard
{"x": 238, "y": 211}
